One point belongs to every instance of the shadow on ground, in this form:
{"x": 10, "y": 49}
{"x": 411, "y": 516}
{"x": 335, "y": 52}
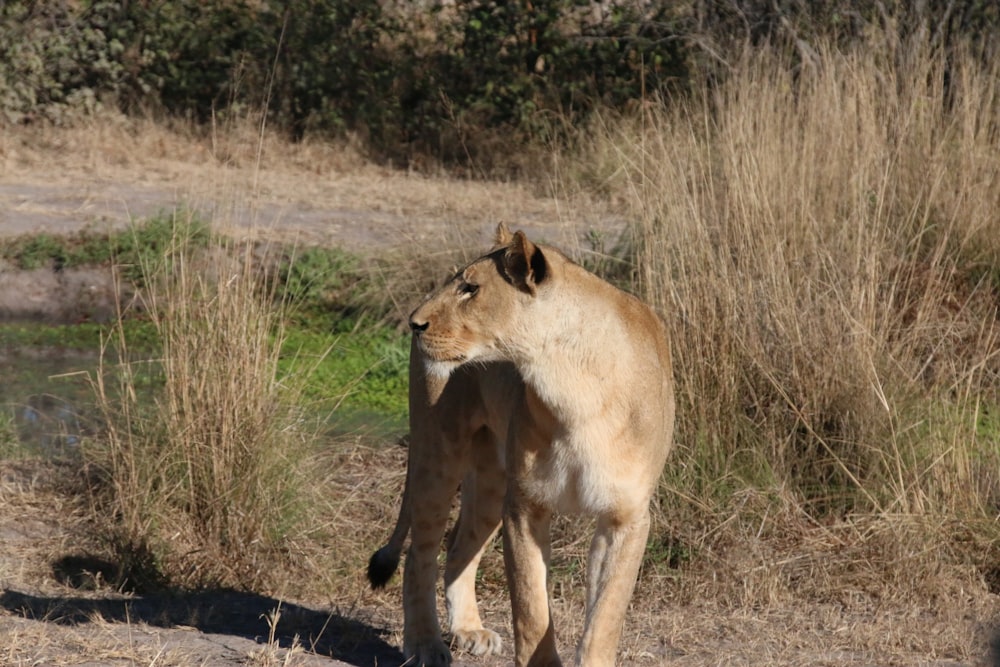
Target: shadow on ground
{"x": 223, "y": 612}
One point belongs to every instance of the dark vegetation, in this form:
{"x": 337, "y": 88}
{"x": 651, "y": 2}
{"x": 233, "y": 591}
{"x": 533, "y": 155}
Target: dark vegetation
{"x": 470, "y": 83}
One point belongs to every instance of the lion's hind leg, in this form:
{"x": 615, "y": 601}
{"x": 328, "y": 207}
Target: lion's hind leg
{"x": 430, "y": 502}
{"x": 478, "y": 521}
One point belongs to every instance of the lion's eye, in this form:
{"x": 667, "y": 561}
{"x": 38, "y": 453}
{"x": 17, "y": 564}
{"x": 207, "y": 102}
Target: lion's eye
{"x": 468, "y": 289}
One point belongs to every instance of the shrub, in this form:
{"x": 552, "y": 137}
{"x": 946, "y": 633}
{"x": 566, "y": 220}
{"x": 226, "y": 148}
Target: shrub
{"x": 472, "y": 81}
{"x": 56, "y": 59}
{"x": 404, "y": 79}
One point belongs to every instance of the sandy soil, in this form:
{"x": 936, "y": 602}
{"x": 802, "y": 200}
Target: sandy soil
{"x": 111, "y": 173}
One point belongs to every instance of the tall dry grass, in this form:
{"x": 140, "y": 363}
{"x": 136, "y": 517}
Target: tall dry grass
{"x": 824, "y": 244}
{"x": 201, "y": 464}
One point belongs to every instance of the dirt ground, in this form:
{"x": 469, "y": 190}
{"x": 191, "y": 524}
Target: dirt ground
{"x": 311, "y": 192}
{"x": 61, "y": 181}
{"x": 56, "y": 610}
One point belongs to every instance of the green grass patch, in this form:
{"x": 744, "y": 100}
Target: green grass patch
{"x": 84, "y": 336}
{"x": 314, "y": 275}
{"x": 988, "y": 423}
{"x": 145, "y": 243}
{"x": 361, "y": 370}
{"x": 33, "y": 335}
{"x": 10, "y": 446}
{"x": 351, "y": 358}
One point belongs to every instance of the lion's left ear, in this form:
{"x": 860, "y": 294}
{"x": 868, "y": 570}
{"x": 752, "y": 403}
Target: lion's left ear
{"x": 502, "y": 237}
{"x": 524, "y": 263}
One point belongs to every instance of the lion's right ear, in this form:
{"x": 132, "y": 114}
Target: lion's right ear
{"x": 524, "y": 263}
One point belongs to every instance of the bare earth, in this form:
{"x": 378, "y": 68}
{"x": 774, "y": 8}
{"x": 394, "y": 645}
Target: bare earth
{"x": 62, "y": 181}
{"x": 312, "y": 193}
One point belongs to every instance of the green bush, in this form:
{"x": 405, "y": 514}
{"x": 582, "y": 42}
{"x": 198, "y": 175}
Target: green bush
{"x": 189, "y": 57}
{"x": 57, "y": 59}
{"x": 459, "y": 82}
{"x": 332, "y": 65}
{"x": 525, "y": 71}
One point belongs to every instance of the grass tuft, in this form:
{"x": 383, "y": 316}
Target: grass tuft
{"x": 205, "y": 481}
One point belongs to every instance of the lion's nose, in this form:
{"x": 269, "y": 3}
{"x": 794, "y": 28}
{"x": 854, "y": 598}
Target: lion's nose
{"x": 418, "y": 327}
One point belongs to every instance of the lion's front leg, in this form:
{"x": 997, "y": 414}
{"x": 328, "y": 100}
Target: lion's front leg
{"x": 612, "y": 568}
{"x": 526, "y": 558}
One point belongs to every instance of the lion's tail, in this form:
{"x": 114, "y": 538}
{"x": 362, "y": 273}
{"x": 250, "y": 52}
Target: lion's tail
{"x": 384, "y": 562}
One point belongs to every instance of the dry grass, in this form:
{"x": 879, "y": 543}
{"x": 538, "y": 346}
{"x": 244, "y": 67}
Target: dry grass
{"x": 30, "y": 643}
{"x": 207, "y": 485}
{"x": 824, "y": 246}
{"x": 271, "y": 654}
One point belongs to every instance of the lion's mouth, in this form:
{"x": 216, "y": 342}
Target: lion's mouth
{"x": 439, "y": 354}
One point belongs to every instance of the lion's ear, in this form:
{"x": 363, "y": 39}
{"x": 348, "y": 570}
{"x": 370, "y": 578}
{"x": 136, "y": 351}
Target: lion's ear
{"x": 502, "y": 237}
{"x": 524, "y": 263}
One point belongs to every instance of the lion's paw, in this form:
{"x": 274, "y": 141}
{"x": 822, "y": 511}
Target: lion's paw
{"x": 477, "y": 642}
{"x": 427, "y": 653}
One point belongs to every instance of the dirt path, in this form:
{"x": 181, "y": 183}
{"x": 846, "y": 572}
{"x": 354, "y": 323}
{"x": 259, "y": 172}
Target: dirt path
{"x": 315, "y": 193}
{"x": 61, "y": 182}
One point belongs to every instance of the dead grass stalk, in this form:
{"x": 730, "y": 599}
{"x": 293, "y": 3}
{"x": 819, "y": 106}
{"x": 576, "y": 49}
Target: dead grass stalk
{"x": 202, "y": 457}
{"x": 824, "y": 246}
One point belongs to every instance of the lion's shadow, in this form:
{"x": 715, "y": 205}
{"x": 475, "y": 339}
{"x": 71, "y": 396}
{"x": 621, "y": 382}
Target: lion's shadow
{"x": 225, "y": 612}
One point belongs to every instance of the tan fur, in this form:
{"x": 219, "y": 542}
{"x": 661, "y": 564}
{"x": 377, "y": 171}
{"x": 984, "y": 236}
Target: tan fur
{"x": 570, "y": 391}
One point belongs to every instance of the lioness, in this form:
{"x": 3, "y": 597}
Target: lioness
{"x": 570, "y": 390}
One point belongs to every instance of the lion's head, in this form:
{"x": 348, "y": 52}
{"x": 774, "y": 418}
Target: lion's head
{"x": 475, "y": 315}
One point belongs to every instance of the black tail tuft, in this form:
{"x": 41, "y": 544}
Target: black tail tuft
{"x": 381, "y": 567}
